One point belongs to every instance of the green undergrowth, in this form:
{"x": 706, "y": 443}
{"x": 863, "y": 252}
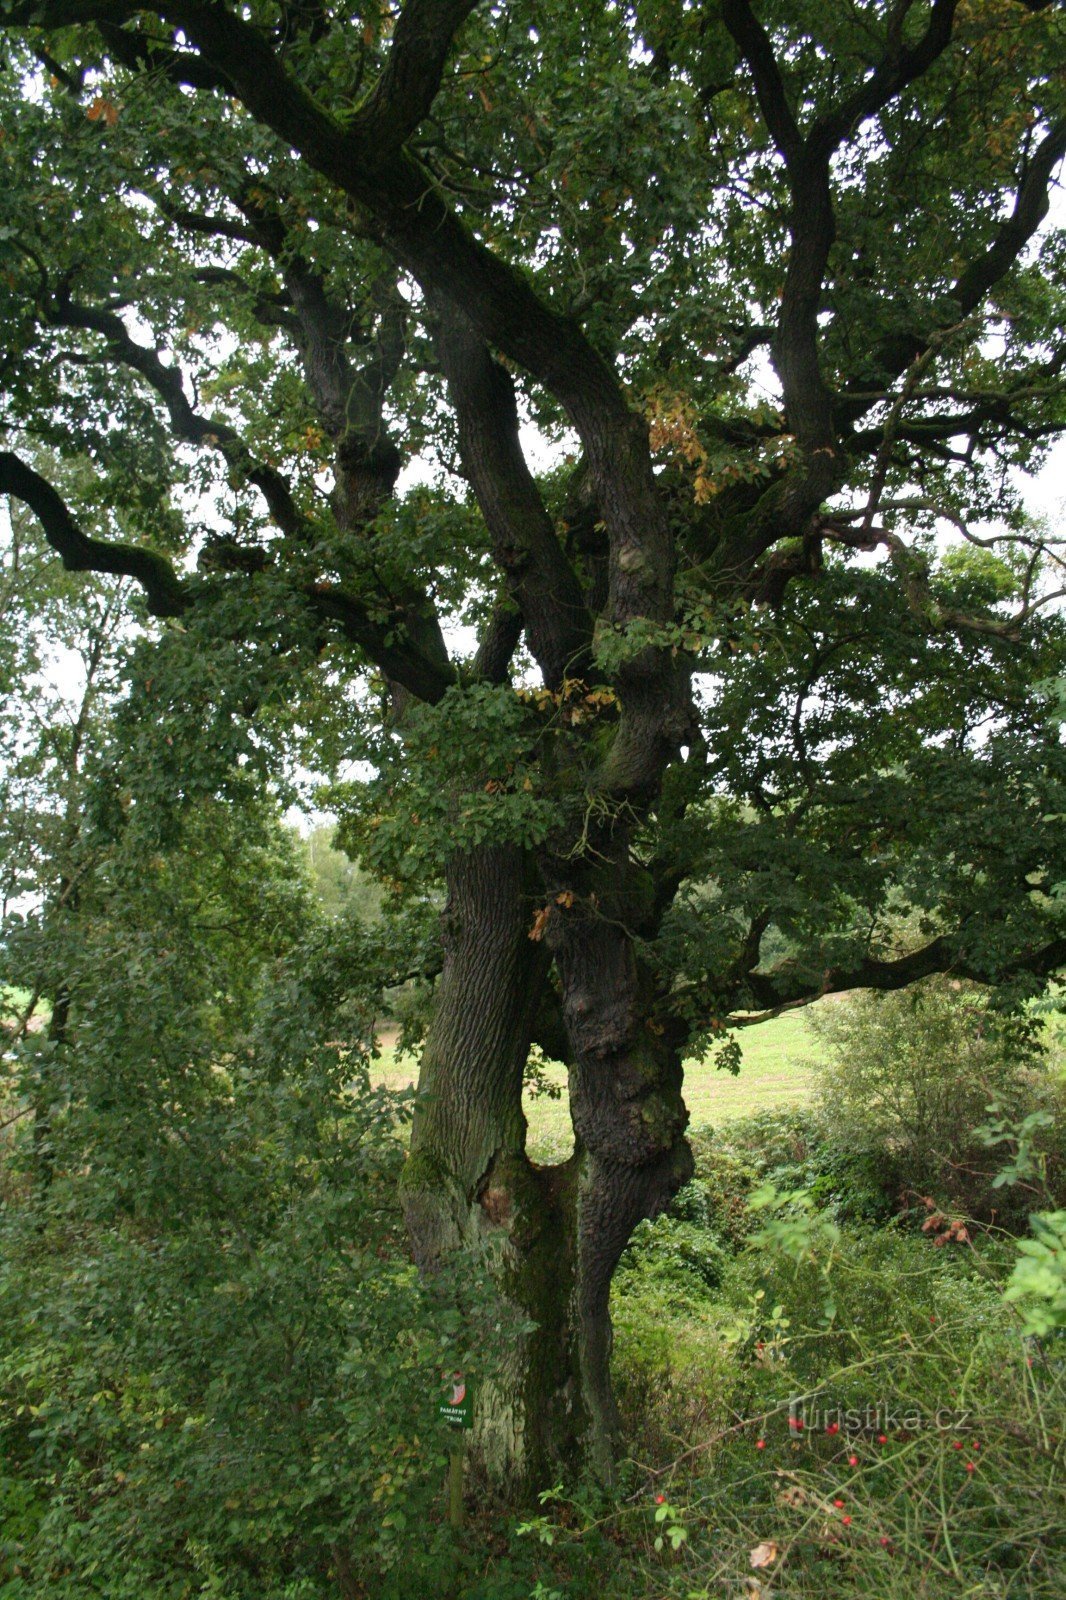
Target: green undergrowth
{"x": 823, "y": 1396}
{"x": 833, "y": 1382}
{"x": 820, "y": 1398}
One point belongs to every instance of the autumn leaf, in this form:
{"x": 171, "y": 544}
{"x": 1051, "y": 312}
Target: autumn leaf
{"x": 565, "y": 898}
{"x": 764, "y": 1555}
{"x": 102, "y": 108}
{"x": 540, "y": 922}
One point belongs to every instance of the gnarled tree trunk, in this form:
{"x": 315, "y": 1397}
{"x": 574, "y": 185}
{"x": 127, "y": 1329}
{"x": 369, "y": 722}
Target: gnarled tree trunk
{"x": 625, "y": 1101}
{"x": 555, "y": 1233}
{"x": 468, "y": 1183}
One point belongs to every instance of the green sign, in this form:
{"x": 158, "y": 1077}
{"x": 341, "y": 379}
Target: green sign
{"x": 457, "y": 1407}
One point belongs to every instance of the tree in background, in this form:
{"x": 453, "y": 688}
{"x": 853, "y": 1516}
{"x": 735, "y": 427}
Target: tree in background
{"x": 754, "y": 674}
{"x": 340, "y": 883}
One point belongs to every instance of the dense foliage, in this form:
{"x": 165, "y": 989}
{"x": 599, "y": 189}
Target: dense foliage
{"x": 741, "y": 694}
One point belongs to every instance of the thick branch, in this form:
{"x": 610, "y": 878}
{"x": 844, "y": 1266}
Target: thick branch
{"x": 80, "y": 553}
{"x": 201, "y": 222}
{"x": 784, "y": 988}
{"x": 388, "y": 644}
{"x": 754, "y": 44}
{"x": 408, "y": 85}
{"x": 1031, "y": 206}
{"x": 1032, "y": 203}
{"x": 187, "y": 423}
{"x": 141, "y": 54}
{"x": 498, "y": 643}
{"x": 540, "y": 578}
{"x": 899, "y": 67}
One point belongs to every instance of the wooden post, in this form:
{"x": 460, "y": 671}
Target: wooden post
{"x": 455, "y": 1484}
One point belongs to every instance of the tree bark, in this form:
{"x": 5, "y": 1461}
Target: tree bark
{"x": 468, "y": 1184}
{"x": 625, "y": 1100}
{"x": 554, "y": 1233}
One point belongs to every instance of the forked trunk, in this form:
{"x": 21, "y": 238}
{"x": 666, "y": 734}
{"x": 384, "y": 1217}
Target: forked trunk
{"x": 554, "y": 1233}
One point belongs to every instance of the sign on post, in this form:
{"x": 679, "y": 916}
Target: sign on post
{"x": 457, "y": 1407}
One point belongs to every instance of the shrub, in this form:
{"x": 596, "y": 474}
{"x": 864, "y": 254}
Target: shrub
{"x": 1038, "y": 1282}
{"x": 219, "y": 1371}
{"x": 245, "y": 1402}
{"x": 792, "y": 1148}
{"x": 910, "y": 1079}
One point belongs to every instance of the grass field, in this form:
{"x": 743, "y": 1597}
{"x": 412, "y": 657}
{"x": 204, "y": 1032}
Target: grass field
{"x": 775, "y": 1071}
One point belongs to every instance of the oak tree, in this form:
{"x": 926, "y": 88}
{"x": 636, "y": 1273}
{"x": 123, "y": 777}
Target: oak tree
{"x": 699, "y": 662}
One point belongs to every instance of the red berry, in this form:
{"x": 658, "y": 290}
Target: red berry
{"x": 853, "y": 1461}
{"x": 838, "y": 1504}
{"x": 882, "y": 1438}
{"x": 970, "y": 1467}
{"x": 660, "y": 1499}
{"x": 846, "y": 1521}
{"x": 760, "y": 1444}
{"x": 957, "y": 1444}
{"x": 885, "y": 1541}
{"x": 832, "y": 1427}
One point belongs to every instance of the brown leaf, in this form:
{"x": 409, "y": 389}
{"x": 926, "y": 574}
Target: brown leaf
{"x": 764, "y": 1555}
{"x": 102, "y": 108}
{"x": 566, "y": 898}
{"x": 540, "y": 922}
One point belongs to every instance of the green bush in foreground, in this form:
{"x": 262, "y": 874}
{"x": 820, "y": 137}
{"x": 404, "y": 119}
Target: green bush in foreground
{"x": 237, "y": 1406}
{"x": 219, "y": 1371}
